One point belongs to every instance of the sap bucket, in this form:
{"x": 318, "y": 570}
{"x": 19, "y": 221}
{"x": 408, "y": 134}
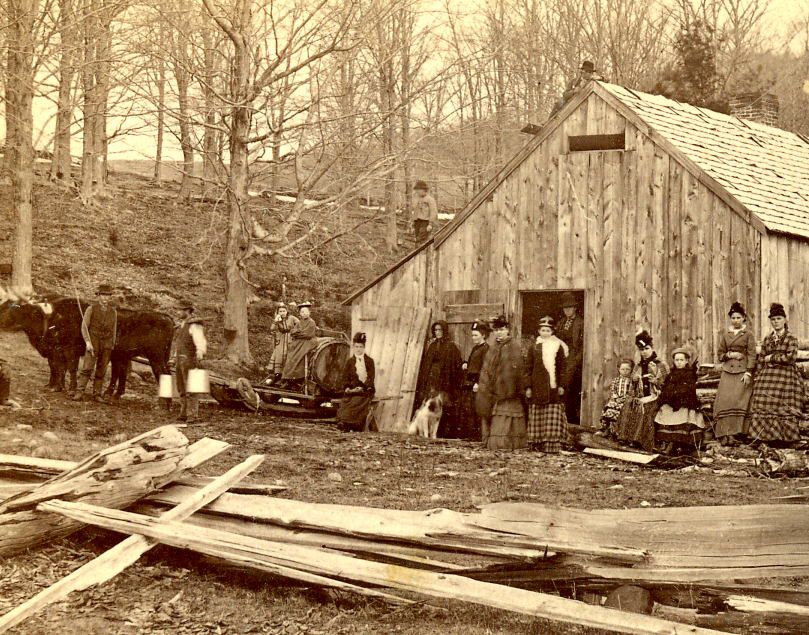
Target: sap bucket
{"x": 166, "y": 388}
{"x": 198, "y": 381}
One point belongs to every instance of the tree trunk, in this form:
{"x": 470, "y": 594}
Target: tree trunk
{"x": 237, "y": 345}
{"x": 209, "y": 141}
{"x": 161, "y": 110}
{"x": 186, "y": 184}
{"x": 102, "y": 95}
{"x": 22, "y": 14}
{"x": 89, "y": 101}
{"x": 61, "y": 162}
{"x": 12, "y": 114}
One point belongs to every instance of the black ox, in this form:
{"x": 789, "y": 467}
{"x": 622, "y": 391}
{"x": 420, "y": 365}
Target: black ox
{"x": 53, "y": 327}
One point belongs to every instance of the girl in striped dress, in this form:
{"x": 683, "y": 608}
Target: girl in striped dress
{"x": 621, "y": 389}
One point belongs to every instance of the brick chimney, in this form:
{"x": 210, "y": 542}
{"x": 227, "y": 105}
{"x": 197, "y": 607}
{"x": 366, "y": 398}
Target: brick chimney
{"x": 759, "y": 107}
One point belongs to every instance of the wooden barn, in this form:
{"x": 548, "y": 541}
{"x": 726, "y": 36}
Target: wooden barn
{"x": 657, "y": 214}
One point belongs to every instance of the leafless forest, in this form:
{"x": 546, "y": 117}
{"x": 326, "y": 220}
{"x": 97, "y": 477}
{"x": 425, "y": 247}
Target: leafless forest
{"x": 344, "y": 102}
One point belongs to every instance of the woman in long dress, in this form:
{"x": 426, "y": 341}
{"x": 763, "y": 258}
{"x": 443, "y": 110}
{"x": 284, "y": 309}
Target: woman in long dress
{"x": 545, "y": 375}
{"x": 737, "y": 355}
{"x": 280, "y": 329}
{"x": 501, "y": 389}
{"x": 775, "y": 407}
{"x": 359, "y": 373}
{"x": 470, "y": 421}
{"x": 441, "y": 373}
{"x": 636, "y": 423}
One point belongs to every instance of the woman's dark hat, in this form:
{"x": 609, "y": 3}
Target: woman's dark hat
{"x": 643, "y": 339}
{"x": 360, "y": 338}
{"x": 547, "y": 321}
{"x": 737, "y": 307}
{"x": 500, "y": 322}
{"x": 104, "y": 289}
{"x": 481, "y": 327}
{"x": 568, "y": 300}
{"x": 777, "y": 310}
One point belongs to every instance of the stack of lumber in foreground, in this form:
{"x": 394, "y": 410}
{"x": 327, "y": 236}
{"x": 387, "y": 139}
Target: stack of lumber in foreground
{"x": 697, "y": 567}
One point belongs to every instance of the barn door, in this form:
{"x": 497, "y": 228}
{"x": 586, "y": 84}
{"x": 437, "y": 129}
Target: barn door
{"x": 396, "y": 340}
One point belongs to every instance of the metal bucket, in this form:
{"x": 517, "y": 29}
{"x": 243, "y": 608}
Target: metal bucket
{"x": 166, "y": 388}
{"x": 198, "y": 381}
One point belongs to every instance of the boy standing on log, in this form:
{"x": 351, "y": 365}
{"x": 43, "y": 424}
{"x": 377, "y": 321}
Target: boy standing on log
{"x": 191, "y": 347}
{"x": 99, "y": 329}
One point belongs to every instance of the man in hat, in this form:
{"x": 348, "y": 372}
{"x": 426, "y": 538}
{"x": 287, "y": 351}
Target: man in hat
{"x": 425, "y": 212}
{"x": 571, "y": 331}
{"x": 99, "y": 328}
{"x": 190, "y": 346}
{"x": 587, "y": 73}
{"x": 302, "y": 342}
{"x": 282, "y": 326}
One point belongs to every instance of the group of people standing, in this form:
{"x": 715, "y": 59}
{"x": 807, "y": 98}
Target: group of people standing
{"x": 760, "y": 395}
{"x": 501, "y": 396}
{"x": 293, "y": 339}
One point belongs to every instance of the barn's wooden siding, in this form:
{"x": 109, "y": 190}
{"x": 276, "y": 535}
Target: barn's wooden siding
{"x": 649, "y": 243}
{"x": 785, "y": 279}
{"x": 406, "y": 286}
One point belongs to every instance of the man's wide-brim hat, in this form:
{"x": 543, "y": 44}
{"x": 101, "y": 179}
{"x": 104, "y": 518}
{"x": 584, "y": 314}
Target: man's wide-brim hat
{"x": 105, "y": 289}
{"x": 304, "y": 305}
{"x": 568, "y": 300}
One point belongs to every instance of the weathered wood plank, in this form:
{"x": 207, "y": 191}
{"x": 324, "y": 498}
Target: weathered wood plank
{"x": 112, "y": 562}
{"x": 674, "y": 271}
{"x": 468, "y": 313}
{"x": 325, "y": 563}
{"x": 116, "y": 477}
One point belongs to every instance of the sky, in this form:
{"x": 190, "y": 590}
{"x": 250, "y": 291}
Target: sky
{"x": 780, "y": 14}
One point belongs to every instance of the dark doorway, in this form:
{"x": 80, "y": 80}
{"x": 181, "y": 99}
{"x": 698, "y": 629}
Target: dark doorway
{"x": 535, "y": 306}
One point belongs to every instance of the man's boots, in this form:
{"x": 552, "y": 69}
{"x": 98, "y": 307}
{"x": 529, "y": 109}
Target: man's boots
{"x": 80, "y": 387}
{"x": 192, "y": 409}
{"x": 98, "y": 384}
{"x": 183, "y": 408}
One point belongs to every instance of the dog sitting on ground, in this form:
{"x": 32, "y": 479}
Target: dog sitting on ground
{"x": 425, "y": 422}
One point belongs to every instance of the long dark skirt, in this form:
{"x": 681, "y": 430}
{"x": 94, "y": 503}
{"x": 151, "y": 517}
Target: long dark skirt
{"x": 353, "y": 412}
{"x": 468, "y": 419}
{"x": 507, "y": 430}
{"x": 637, "y": 423}
{"x": 730, "y": 406}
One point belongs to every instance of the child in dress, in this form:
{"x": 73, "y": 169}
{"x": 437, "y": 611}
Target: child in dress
{"x": 620, "y": 390}
{"x": 679, "y": 419}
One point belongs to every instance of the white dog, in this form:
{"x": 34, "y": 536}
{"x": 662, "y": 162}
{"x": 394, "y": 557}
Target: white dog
{"x": 425, "y": 422}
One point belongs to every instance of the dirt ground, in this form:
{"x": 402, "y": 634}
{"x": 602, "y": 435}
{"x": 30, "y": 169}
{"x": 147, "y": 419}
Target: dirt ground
{"x": 173, "y": 592}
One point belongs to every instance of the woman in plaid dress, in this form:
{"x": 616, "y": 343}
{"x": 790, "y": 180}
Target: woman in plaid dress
{"x": 775, "y": 407}
{"x": 545, "y": 378}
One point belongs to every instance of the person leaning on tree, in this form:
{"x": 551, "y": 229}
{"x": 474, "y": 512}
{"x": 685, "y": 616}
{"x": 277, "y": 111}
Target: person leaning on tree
{"x": 99, "y": 328}
{"x": 190, "y": 346}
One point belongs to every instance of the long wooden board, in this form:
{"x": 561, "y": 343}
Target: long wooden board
{"x": 112, "y": 562}
{"x": 324, "y": 563}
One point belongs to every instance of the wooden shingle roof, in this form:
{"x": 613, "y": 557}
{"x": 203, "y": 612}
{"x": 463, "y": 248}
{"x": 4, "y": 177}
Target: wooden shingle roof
{"x": 765, "y": 169}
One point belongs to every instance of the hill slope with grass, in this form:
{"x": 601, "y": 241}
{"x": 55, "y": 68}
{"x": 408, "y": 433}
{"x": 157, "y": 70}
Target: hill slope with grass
{"x": 155, "y": 250}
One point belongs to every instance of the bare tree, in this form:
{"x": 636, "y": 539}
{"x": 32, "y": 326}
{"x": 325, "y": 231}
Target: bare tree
{"x": 20, "y": 81}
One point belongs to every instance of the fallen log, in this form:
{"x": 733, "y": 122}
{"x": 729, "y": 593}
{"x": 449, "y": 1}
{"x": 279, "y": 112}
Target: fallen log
{"x": 115, "y": 477}
{"x": 112, "y": 562}
{"x": 267, "y": 555}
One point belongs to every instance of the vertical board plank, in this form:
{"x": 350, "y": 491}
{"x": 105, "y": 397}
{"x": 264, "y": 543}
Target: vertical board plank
{"x": 579, "y": 212}
{"x": 611, "y": 252}
{"x": 658, "y": 234}
{"x": 564, "y": 255}
{"x": 552, "y": 210}
{"x": 412, "y": 361}
{"x": 626, "y": 249}
{"x": 693, "y": 307}
{"x": 706, "y": 272}
{"x": 673, "y": 310}
{"x": 594, "y": 344}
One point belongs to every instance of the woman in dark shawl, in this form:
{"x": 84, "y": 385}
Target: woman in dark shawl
{"x": 441, "y": 372}
{"x": 470, "y": 421}
{"x": 358, "y": 387}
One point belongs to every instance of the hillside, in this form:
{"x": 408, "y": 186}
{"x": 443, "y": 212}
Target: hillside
{"x": 156, "y": 251}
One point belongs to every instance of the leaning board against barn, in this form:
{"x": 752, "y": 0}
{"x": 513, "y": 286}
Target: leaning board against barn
{"x": 659, "y": 214}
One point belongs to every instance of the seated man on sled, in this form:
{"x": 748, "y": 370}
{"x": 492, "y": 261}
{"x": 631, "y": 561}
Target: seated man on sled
{"x": 302, "y": 341}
